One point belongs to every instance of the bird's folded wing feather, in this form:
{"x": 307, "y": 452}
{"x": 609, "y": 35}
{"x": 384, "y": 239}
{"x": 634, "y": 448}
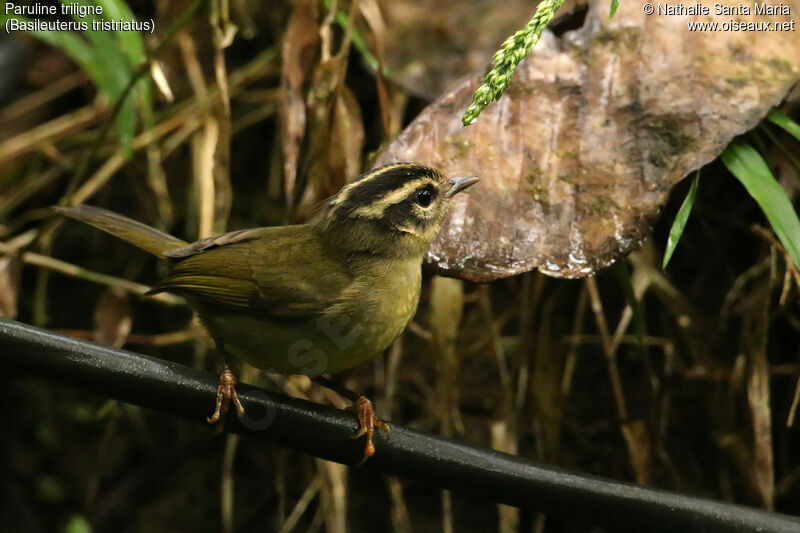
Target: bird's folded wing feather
{"x": 280, "y": 272}
{"x": 216, "y": 241}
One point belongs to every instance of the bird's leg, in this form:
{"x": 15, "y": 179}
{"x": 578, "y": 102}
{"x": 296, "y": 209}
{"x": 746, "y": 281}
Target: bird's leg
{"x": 226, "y": 391}
{"x": 367, "y": 420}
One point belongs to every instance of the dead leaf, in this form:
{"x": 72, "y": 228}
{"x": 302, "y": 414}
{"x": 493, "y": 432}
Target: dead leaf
{"x": 297, "y": 49}
{"x": 447, "y": 306}
{"x": 10, "y": 276}
{"x": 581, "y": 152}
{"x": 504, "y": 439}
{"x": 637, "y": 439}
{"x": 347, "y": 139}
{"x": 372, "y": 14}
{"x": 754, "y": 337}
{"x": 112, "y": 318}
{"x": 321, "y": 100}
{"x": 336, "y": 134}
{"x": 547, "y": 370}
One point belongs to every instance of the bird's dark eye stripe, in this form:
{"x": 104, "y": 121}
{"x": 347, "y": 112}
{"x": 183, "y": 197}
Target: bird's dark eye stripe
{"x": 399, "y": 214}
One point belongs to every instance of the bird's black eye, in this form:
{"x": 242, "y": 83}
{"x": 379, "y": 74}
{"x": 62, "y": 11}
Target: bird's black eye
{"x": 425, "y": 197}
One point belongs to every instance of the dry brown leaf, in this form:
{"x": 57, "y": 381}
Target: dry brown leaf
{"x": 546, "y": 373}
{"x": 347, "y": 140}
{"x": 755, "y": 333}
{"x": 321, "y": 104}
{"x": 447, "y": 306}
{"x": 372, "y": 14}
{"x": 10, "y": 275}
{"x": 371, "y": 11}
{"x": 637, "y": 438}
{"x": 298, "y": 47}
{"x": 335, "y": 133}
{"x": 112, "y": 318}
{"x": 580, "y": 153}
{"x": 504, "y": 439}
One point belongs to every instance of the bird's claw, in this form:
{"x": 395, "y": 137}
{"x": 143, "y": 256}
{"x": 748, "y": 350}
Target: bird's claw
{"x": 226, "y": 392}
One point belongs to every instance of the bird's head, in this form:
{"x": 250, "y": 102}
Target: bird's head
{"x": 392, "y": 210}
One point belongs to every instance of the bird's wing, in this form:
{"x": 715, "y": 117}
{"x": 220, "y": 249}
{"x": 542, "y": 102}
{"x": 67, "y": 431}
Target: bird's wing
{"x": 216, "y": 241}
{"x": 280, "y": 272}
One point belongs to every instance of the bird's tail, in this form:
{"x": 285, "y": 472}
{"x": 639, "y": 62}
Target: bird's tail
{"x": 148, "y": 239}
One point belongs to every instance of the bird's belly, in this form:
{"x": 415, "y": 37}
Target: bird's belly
{"x": 340, "y": 338}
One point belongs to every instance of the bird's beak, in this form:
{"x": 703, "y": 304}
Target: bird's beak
{"x": 460, "y": 183}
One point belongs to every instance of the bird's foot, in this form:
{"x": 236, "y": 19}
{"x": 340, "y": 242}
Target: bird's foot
{"x": 367, "y": 423}
{"x": 226, "y": 392}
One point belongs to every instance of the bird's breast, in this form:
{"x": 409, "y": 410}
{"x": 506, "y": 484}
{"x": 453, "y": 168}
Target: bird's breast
{"x": 364, "y": 320}
{"x": 380, "y": 304}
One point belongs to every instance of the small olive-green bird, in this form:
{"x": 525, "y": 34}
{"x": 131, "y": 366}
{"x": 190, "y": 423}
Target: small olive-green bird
{"x": 313, "y": 298}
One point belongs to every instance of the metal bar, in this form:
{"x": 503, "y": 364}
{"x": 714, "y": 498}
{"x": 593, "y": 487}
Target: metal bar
{"x": 326, "y": 432}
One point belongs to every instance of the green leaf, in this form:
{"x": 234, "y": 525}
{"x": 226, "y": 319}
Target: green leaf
{"x": 680, "y": 221}
{"x": 77, "y": 524}
{"x": 110, "y": 59}
{"x": 131, "y": 42}
{"x": 113, "y": 69}
{"x": 132, "y": 46}
{"x": 780, "y": 119}
{"x": 613, "y": 10}
{"x": 744, "y": 162}
{"x": 72, "y": 45}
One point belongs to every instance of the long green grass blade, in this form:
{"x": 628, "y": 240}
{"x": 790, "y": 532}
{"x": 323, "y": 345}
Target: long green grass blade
{"x": 113, "y": 71}
{"x": 132, "y": 45}
{"x": 749, "y": 167}
{"x": 110, "y": 60}
{"x": 131, "y": 42}
{"x": 613, "y": 10}
{"x": 680, "y": 221}
{"x": 70, "y": 43}
{"x": 780, "y": 119}
{"x": 84, "y": 53}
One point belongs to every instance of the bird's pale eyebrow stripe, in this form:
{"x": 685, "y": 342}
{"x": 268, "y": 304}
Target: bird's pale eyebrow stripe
{"x": 343, "y": 194}
{"x": 376, "y": 208}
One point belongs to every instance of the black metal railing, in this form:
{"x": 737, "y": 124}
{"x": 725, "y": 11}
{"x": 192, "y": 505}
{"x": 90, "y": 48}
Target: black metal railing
{"x": 326, "y": 432}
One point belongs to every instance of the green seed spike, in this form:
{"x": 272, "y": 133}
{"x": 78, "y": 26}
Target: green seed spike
{"x": 505, "y": 60}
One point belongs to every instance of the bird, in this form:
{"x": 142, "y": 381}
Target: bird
{"x": 314, "y": 298}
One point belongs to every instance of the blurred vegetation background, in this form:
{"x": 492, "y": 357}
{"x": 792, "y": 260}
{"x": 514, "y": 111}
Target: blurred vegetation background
{"x": 695, "y": 392}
